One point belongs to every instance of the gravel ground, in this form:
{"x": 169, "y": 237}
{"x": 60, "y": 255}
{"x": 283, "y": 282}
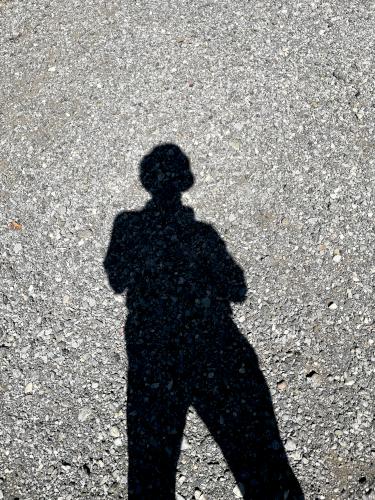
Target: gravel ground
{"x": 273, "y": 103}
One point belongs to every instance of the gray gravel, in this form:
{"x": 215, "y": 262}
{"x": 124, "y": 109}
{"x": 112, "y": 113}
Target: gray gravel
{"x": 273, "y": 103}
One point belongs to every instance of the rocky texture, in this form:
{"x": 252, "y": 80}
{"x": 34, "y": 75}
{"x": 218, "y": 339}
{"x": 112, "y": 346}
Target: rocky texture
{"x": 273, "y": 103}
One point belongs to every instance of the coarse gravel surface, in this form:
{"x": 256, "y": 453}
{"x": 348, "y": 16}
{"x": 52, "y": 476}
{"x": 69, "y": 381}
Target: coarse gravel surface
{"x": 273, "y": 103}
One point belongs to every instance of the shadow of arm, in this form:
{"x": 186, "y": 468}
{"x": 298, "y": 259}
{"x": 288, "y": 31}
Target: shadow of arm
{"x": 116, "y": 262}
{"x": 226, "y": 273}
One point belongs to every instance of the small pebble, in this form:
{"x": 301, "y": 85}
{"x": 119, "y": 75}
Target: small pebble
{"x": 185, "y": 444}
{"x": 290, "y": 445}
{"x": 282, "y": 385}
{"x": 114, "y": 432}
{"x": 66, "y": 299}
{"x": 17, "y": 248}
{"x": 84, "y": 414}
{"x": 198, "y": 495}
{"x": 91, "y": 302}
{"x": 239, "y": 491}
{"x": 315, "y": 379}
{"x": 29, "y": 388}
{"x": 16, "y": 226}
{"x": 118, "y": 442}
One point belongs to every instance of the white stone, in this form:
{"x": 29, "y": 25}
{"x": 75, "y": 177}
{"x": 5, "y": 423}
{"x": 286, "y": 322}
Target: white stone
{"x": 290, "y": 445}
{"x": 184, "y": 445}
{"x": 17, "y": 248}
{"x": 238, "y": 491}
{"x": 84, "y": 414}
{"x": 29, "y": 388}
{"x": 198, "y": 495}
{"x": 114, "y": 432}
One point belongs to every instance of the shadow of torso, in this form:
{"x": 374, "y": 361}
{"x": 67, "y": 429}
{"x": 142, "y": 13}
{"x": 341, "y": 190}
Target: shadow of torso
{"x": 177, "y": 273}
{"x": 185, "y": 350}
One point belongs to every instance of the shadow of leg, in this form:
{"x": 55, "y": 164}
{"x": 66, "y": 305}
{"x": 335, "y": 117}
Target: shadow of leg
{"x": 235, "y": 404}
{"x": 155, "y": 420}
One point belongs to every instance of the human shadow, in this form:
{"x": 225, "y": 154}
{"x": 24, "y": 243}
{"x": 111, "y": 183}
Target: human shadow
{"x": 183, "y": 346}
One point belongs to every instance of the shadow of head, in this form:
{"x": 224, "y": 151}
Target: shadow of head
{"x": 165, "y": 171}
